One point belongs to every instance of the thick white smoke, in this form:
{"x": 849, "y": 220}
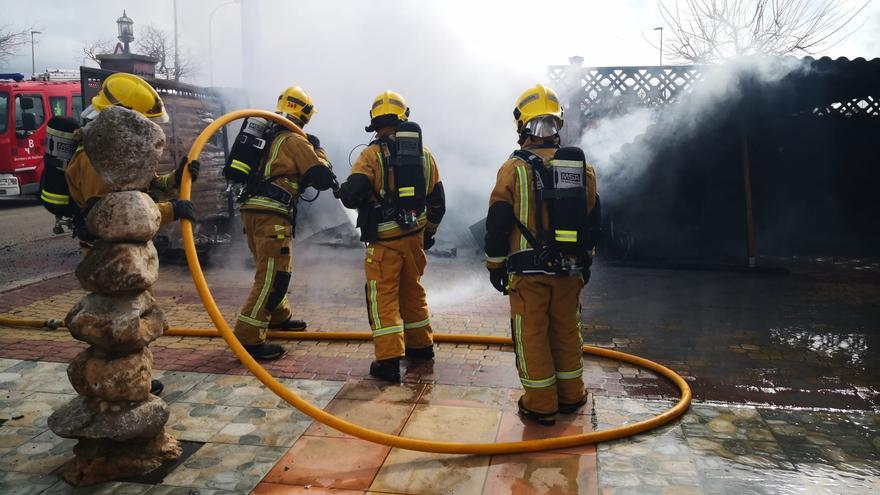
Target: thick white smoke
{"x": 719, "y": 87}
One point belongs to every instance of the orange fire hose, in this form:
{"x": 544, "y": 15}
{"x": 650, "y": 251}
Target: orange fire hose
{"x": 359, "y": 431}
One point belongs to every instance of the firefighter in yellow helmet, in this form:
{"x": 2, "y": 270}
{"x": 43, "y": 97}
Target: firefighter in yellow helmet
{"x": 541, "y": 232}
{"x": 288, "y": 164}
{"x": 396, "y": 188}
{"x": 84, "y": 183}
{"x": 85, "y": 186}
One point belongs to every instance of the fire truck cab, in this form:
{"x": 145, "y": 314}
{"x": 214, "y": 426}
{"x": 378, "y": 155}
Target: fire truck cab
{"x": 25, "y": 108}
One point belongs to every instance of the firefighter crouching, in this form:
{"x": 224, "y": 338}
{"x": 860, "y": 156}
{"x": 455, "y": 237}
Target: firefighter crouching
{"x": 541, "y": 232}
{"x": 396, "y": 188}
{"x": 274, "y": 165}
{"x": 82, "y": 186}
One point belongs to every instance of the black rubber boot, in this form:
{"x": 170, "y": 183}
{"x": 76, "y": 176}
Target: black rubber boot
{"x": 543, "y": 419}
{"x": 386, "y": 369}
{"x": 156, "y": 387}
{"x": 420, "y": 353}
{"x": 265, "y": 351}
{"x": 290, "y": 325}
{"x": 572, "y": 408}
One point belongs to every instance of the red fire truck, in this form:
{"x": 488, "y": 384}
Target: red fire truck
{"x": 25, "y": 108}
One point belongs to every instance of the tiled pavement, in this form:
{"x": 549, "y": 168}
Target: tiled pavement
{"x": 249, "y": 440}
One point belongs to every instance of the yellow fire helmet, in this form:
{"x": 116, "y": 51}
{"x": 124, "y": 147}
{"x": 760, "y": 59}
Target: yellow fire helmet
{"x": 295, "y": 103}
{"x": 129, "y": 91}
{"x": 389, "y": 103}
{"x": 536, "y": 102}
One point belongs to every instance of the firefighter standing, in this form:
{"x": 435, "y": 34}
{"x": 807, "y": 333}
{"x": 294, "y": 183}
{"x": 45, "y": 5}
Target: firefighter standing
{"x": 84, "y": 186}
{"x": 288, "y": 164}
{"x": 396, "y": 188}
{"x": 541, "y": 232}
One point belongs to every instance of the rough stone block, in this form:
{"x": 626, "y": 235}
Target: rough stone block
{"x": 124, "y": 147}
{"x": 94, "y": 374}
{"x": 112, "y": 267}
{"x": 97, "y": 461}
{"x": 129, "y": 216}
{"x": 118, "y": 323}
{"x": 88, "y": 417}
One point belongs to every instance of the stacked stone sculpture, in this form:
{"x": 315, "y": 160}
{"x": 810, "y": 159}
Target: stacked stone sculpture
{"x": 119, "y": 424}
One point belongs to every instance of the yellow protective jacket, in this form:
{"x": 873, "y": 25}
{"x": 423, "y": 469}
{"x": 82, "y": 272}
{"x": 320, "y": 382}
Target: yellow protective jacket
{"x": 84, "y": 183}
{"x": 513, "y": 197}
{"x": 371, "y": 164}
{"x": 292, "y": 164}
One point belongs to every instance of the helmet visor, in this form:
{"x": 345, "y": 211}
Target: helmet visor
{"x": 544, "y": 126}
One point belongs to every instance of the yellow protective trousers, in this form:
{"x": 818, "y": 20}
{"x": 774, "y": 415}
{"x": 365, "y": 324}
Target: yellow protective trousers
{"x": 270, "y": 240}
{"x": 396, "y": 300}
{"x": 546, "y": 327}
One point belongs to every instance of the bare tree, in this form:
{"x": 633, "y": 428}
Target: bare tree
{"x": 12, "y": 41}
{"x": 91, "y": 49}
{"x": 158, "y": 44}
{"x": 706, "y": 31}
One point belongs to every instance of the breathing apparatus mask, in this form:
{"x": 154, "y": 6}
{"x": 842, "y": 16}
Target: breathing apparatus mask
{"x": 543, "y": 126}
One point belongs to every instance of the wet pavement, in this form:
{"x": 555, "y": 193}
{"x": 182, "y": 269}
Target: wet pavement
{"x": 784, "y": 367}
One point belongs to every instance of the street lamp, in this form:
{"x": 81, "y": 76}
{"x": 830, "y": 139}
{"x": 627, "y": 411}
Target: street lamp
{"x": 126, "y": 31}
{"x": 660, "y": 28}
{"x": 211, "y": 38}
{"x": 33, "y": 63}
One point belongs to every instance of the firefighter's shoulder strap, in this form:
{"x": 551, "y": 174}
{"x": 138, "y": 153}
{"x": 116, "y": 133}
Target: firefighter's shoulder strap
{"x": 536, "y": 164}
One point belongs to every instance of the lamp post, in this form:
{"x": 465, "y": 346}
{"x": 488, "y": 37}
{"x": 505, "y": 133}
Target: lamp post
{"x": 126, "y": 31}
{"x": 211, "y": 37}
{"x": 660, "y": 28}
{"x": 33, "y": 58}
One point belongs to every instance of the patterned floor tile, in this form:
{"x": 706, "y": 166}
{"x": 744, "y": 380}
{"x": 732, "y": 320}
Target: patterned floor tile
{"x": 713, "y": 453}
{"x": 460, "y": 395}
{"x": 379, "y": 391}
{"x": 32, "y": 410}
{"x": 185, "y": 490}
{"x": 329, "y": 462}
{"x": 199, "y": 422}
{"x": 258, "y": 426}
{"x": 741, "y": 423}
{"x": 177, "y": 383}
{"x": 657, "y": 462}
{"x": 559, "y": 474}
{"x": 42, "y": 454}
{"x": 389, "y": 418}
{"x": 12, "y": 483}
{"x": 410, "y": 472}
{"x": 37, "y": 376}
{"x": 225, "y": 467}
{"x": 14, "y": 436}
{"x": 276, "y": 489}
{"x": 617, "y": 411}
{"x": 513, "y": 428}
{"x": 828, "y": 438}
{"x": 109, "y": 488}
{"x": 8, "y": 363}
{"x": 247, "y": 391}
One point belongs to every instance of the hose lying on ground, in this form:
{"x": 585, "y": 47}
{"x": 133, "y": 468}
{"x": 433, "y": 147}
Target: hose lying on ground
{"x": 344, "y": 426}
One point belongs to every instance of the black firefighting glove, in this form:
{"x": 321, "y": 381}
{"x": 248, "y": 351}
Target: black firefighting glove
{"x": 194, "y": 167}
{"x": 314, "y": 141}
{"x": 429, "y": 240}
{"x": 498, "y": 277}
{"x": 183, "y": 209}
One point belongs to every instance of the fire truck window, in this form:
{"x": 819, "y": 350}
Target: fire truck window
{"x": 29, "y": 119}
{"x": 58, "y": 104}
{"x": 4, "y": 112}
{"x": 76, "y": 107}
